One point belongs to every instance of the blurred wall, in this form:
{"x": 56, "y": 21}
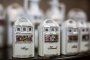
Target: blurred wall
{"x": 82, "y": 4}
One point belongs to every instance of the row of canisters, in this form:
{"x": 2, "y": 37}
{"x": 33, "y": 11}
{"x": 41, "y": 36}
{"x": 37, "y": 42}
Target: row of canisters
{"x": 70, "y": 38}
{"x": 51, "y": 33}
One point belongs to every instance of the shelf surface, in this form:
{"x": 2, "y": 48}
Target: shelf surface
{"x": 80, "y": 55}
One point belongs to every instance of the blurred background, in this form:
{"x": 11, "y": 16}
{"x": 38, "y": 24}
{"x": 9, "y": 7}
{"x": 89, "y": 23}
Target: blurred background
{"x": 44, "y": 5}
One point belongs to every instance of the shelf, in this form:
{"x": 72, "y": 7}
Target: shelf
{"x": 2, "y": 53}
{"x": 55, "y": 57}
